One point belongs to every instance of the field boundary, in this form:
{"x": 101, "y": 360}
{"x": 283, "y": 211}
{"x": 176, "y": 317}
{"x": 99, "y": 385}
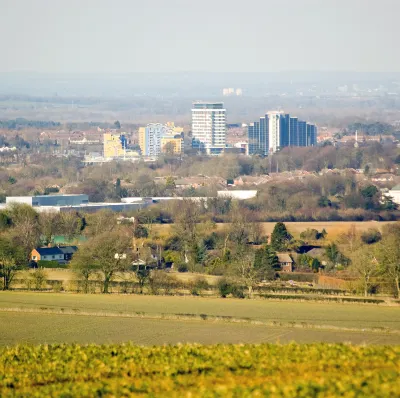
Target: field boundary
{"x": 199, "y": 317}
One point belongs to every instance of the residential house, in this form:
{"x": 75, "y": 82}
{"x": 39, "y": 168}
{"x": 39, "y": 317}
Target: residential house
{"x": 62, "y": 254}
{"x": 285, "y": 261}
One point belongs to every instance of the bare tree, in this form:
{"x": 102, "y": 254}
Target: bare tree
{"x": 365, "y": 265}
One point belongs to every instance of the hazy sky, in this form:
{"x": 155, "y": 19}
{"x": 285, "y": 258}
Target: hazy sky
{"x": 199, "y": 35}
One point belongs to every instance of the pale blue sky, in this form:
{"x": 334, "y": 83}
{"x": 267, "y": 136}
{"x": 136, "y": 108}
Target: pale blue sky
{"x": 119, "y": 36}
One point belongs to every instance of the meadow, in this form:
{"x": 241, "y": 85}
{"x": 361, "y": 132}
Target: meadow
{"x": 60, "y": 317}
{"x": 316, "y": 370}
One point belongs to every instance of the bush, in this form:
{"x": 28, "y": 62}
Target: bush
{"x": 39, "y": 279}
{"x": 224, "y": 288}
{"x": 161, "y": 281}
{"x": 370, "y": 236}
{"x": 182, "y": 268}
{"x": 200, "y": 283}
{"x": 237, "y": 291}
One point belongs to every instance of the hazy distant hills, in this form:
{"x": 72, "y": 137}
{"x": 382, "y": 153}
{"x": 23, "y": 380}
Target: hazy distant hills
{"x": 189, "y": 84}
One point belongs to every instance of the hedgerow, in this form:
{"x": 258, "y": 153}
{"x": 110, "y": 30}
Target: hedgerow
{"x": 323, "y": 370}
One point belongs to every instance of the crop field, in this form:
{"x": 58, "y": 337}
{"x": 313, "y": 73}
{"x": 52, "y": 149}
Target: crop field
{"x": 316, "y": 370}
{"x": 147, "y": 320}
{"x": 334, "y": 228}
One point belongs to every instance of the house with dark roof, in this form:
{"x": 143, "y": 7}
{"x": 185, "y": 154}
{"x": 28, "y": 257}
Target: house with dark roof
{"x": 61, "y": 254}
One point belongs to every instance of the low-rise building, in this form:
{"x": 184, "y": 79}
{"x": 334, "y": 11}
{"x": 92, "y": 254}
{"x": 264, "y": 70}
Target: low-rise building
{"x": 157, "y": 138}
{"x": 285, "y": 261}
{"x": 61, "y": 254}
{"x": 50, "y": 200}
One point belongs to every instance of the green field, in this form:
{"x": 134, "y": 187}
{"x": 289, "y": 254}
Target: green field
{"x": 318, "y": 370}
{"x": 147, "y": 320}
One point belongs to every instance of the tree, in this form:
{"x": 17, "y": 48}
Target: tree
{"x": 99, "y": 222}
{"x": 142, "y": 274}
{"x": 84, "y": 266}
{"x": 12, "y": 259}
{"x": 388, "y": 203}
{"x": 239, "y": 229}
{"x": 280, "y": 237}
{"x": 49, "y": 226}
{"x": 364, "y": 264}
{"x": 26, "y": 229}
{"x": 388, "y": 256}
{"x": 108, "y": 253}
{"x": 140, "y": 231}
{"x": 186, "y": 220}
{"x": 245, "y": 272}
{"x": 71, "y": 224}
{"x": 334, "y": 256}
{"x": 323, "y": 201}
{"x": 170, "y": 183}
{"x": 266, "y": 262}
{"x": 117, "y": 124}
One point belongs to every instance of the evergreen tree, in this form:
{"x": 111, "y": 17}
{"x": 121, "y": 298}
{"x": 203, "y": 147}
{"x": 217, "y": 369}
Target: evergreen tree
{"x": 266, "y": 262}
{"x": 280, "y": 237}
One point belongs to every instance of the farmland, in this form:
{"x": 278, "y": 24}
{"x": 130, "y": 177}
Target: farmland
{"x": 192, "y": 370}
{"x": 57, "y": 318}
{"x": 333, "y": 228}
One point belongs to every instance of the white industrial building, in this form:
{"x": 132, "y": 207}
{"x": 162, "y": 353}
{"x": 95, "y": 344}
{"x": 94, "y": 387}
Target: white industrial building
{"x": 50, "y": 200}
{"x": 72, "y": 202}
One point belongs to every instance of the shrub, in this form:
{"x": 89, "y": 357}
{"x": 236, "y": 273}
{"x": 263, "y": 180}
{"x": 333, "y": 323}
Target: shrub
{"x": 237, "y": 291}
{"x": 370, "y": 236}
{"x": 200, "y": 283}
{"x": 39, "y": 279}
{"x": 224, "y": 288}
{"x": 182, "y": 268}
{"x": 160, "y": 280}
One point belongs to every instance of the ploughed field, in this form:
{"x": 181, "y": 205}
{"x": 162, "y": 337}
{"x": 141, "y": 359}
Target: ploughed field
{"x": 316, "y": 370}
{"x": 147, "y": 320}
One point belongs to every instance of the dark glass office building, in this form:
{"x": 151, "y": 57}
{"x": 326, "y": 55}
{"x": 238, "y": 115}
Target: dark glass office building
{"x": 278, "y": 130}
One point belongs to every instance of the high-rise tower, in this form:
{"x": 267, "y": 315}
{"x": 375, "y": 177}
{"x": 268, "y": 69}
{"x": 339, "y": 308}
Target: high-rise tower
{"x": 209, "y": 127}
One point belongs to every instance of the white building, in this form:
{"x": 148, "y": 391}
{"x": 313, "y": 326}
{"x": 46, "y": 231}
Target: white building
{"x": 394, "y": 193}
{"x": 226, "y": 92}
{"x": 209, "y": 127}
{"x": 274, "y": 130}
{"x": 247, "y": 194}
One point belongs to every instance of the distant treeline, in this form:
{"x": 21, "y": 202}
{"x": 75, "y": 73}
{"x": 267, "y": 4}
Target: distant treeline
{"x": 376, "y": 128}
{"x": 21, "y": 123}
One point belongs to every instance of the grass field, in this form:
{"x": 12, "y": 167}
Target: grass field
{"x": 56, "y": 318}
{"x": 318, "y": 370}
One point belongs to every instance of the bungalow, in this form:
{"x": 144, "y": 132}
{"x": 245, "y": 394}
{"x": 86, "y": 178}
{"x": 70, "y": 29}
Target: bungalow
{"x": 62, "y": 254}
{"x": 285, "y": 261}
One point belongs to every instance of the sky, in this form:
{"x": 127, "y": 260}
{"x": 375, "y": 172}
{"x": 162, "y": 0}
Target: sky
{"x": 123, "y": 36}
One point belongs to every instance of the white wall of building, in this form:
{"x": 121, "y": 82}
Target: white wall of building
{"x": 248, "y": 194}
{"x": 209, "y": 127}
